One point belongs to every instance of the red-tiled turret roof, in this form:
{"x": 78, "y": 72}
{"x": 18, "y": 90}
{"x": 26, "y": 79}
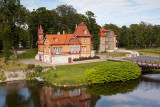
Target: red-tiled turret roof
{"x": 40, "y": 30}
{"x": 80, "y": 30}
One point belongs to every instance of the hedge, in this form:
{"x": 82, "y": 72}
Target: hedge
{"x": 112, "y": 72}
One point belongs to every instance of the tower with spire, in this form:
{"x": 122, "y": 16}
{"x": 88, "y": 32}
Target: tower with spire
{"x": 40, "y": 35}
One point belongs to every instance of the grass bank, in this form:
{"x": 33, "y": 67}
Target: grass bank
{"x": 29, "y": 54}
{"x": 150, "y": 52}
{"x": 12, "y": 65}
{"x": 69, "y": 74}
{"x": 114, "y": 54}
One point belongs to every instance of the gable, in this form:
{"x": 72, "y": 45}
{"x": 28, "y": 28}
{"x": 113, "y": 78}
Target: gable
{"x": 46, "y": 41}
{"x": 82, "y": 30}
{"x": 73, "y": 40}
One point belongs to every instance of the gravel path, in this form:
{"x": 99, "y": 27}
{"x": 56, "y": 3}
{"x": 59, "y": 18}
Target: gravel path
{"x": 143, "y": 58}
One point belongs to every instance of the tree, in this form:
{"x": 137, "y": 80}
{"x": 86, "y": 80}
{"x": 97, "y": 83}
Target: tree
{"x": 124, "y": 37}
{"x": 156, "y": 35}
{"x": 47, "y": 18}
{"x": 13, "y": 18}
{"x": 65, "y": 10}
{"x": 93, "y": 28}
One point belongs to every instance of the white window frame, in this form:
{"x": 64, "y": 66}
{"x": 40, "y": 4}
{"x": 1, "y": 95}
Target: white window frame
{"x": 60, "y": 49}
{"x": 85, "y": 31}
{"x": 111, "y": 39}
{"x": 49, "y": 49}
{"x": 106, "y": 45}
{"x": 54, "y": 50}
{"x": 84, "y": 49}
{"x": 45, "y": 49}
{"x": 85, "y": 39}
{"x": 111, "y": 45}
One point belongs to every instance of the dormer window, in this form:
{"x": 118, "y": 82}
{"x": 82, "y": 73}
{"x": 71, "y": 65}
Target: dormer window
{"x": 85, "y": 31}
{"x": 56, "y": 39}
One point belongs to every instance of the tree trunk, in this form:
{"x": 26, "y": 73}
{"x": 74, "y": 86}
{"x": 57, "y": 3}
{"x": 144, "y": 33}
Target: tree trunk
{"x": 31, "y": 41}
{"x": 15, "y": 52}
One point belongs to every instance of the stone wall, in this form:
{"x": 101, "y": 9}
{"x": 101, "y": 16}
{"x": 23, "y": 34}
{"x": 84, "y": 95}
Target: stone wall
{"x": 15, "y": 75}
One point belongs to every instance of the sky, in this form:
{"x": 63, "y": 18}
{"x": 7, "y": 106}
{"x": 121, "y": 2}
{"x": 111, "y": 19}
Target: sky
{"x": 119, "y": 12}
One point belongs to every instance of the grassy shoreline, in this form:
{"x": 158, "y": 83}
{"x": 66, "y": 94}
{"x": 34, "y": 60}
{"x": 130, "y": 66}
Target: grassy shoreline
{"x": 150, "y": 52}
{"x": 69, "y": 74}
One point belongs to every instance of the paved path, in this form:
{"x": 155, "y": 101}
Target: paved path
{"x": 37, "y": 62}
{"x": 143, "y": 58}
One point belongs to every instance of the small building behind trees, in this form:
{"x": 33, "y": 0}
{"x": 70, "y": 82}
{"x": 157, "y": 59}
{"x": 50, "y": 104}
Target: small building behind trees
{"x": 108, "y": 40}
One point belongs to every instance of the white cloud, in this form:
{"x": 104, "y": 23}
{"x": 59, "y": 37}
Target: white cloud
{"x": 119, "y": 98}
{"x": 108, "y": 10}
{"x": 31, "y": 4}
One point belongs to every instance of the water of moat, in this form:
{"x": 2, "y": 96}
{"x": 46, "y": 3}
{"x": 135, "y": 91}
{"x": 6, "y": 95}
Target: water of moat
{"x": 143, "y": 92}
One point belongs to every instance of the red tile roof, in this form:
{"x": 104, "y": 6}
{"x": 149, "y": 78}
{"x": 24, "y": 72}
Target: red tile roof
{"x": 80, "y": 30}
{"x": 40, "y": 30}
{"x": 101, "y": 33}
{"x": 102, "y": 30}
{"x": 62, "y": 38}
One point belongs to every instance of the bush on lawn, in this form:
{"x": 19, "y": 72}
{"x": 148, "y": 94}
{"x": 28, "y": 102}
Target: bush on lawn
{"x": 38, "y": 69}
{"x": 112, "y": 72}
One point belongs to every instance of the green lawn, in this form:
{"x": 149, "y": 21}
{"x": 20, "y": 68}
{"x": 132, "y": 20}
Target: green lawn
{"x": 12, "y": 65}
{"x": 29, "y": 54}
{"x": 69, "y": 74}
{"x": 114, "y": 54}
{"x": 150, "y": 52}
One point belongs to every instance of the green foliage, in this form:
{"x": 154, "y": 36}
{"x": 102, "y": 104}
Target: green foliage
{"x": 2, "y": 76}
{"x": 112, "y": 72}
{"x": 31, "y": 75}
{"x": 30, "y": 66}
{"x": 93, "y": 28}
{"x": 69, "y": 74}
{"x": 51, "y": 77}
{"x": 38, "y": 69}
{"x": 11, "y": 12}
{"x": 29, "y": 54}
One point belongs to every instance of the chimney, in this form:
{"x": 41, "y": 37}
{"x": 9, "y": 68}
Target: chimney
{"x": 76, "y": 26}
{"x": 63, "y": 32}
{"x": 58, "y": 33}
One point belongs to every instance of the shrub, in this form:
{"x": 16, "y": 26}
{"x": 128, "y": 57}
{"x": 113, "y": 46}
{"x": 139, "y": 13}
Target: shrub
{"x": 31, "y": 75}
{"x": 38, "y": 69}
{"x": 2, "y": 76}
{"x": 30, "y": 66}
{"x": 113, "y": 71}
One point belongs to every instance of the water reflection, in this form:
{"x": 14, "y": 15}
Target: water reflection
{"x": 144, "y": 92}
{"x": 113, "y": 88}
{"x": 53, "y": 97}
{"x": 19, "y": 94}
